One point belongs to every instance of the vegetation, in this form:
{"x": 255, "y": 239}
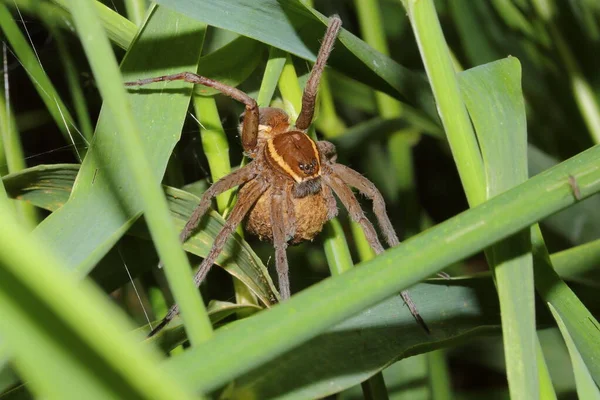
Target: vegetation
{"x": 476, "y": 120}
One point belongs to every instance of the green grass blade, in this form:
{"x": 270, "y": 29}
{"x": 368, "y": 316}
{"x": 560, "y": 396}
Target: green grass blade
{"x": 453, "y": 112}
{"x": 136, "y": 10}
{"x": 492, "y": 94}
{"x": 135, "y": 161}
{"x": 52, "y": 319}
{"x": 579, "y": 263}
{"x": 118, "y": 28}
{"x": 586, "y": 387}
{"x": 41, "y": 82}
{"x": 49, "y": 187}
{"x": 439, "y": 376}
{"x": 159, "y": 115}
{"x": 273, "y": 71}
{"x": 72, "y": 75}
{"x": 575, "y": 224}
{"x": 313, "y": 310}
{"x": 10, "y": 146}
{"x": 582, "y": 327}
{"x": 546, "y": 388}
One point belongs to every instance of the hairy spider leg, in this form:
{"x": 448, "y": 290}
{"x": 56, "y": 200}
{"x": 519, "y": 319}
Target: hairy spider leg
{"x": 339, "y": 181}
{"x": 247, "y": 197}
{"x": 312, "y": 84}
{"x": 250, "y": 124}
{"x": 278, "y": 210}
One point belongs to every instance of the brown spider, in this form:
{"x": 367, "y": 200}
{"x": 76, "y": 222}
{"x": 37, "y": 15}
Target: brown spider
{"x": 286, "y": 192}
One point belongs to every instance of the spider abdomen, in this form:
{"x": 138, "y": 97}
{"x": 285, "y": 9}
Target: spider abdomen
{"x": 309, "y": 216}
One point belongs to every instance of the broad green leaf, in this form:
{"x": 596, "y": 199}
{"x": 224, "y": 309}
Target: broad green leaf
{"x": 492, "y": 94}
{"x": 268, "y": 334}
{"x": 100, "y": 210}
{"x": 297, "y": 29}
{"x": 49, "y": 187}
{"x": 586, "y": 387}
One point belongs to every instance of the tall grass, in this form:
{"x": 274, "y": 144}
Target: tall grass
{"x": 476, "y": 120}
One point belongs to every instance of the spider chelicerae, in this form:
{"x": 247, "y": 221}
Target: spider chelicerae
{"x": 287, "y": 191}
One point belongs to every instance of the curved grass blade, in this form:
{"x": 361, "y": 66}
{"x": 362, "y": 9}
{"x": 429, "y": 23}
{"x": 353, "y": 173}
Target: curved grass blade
{"x": 135, "y": 162}
{"x": 459, "y": 310}
{"x": 104, "y": 202}
{"x": 586, "y": 387}
{"x": 492, "y": 94}
{"x": 49, "y": 187}
{"x": 66, "y": 337}
{"x": 53, "y": 101}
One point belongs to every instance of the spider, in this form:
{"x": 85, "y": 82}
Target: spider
{"x": 287, "y": 190}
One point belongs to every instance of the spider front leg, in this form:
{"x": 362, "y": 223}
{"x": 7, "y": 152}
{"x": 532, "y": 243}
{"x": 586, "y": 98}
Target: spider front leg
{"x": 251, "y": 116}
{"x": 312, "y": 84}
{"x": 279, "y": 203}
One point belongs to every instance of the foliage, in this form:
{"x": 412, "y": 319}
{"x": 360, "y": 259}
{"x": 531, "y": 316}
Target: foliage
{"x": 499, "y": 133}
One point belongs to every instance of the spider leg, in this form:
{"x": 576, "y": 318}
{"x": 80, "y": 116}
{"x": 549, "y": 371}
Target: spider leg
{"x": 332, "y": 208}
{"x": 344, "y": 193}
{"x": 310, "y": 91}
{"x": 246, "y": 200}
{"x": 278, "y": 209}
{"x": 291, "y": 218}
{"x": 251, "y": 117}
{"x": 327, "y": 150}
{"x": 356, "y": 213}
{"x": 366, "y": 187}
{"x": 235, "y": 178}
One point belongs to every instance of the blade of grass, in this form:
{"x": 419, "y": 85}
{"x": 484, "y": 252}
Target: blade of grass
{"x": 581, "y": 325}
{"x": 177, "y": 268}
{"x": 438, "y": 64}
{"x": 311, "y": 311}
{"x": 136, "y": 10}
{"x": 49, "y": 187}
{"x": 50, "y": 318}
{"x": 586, "y": 388}
{"x": 492, "y": 94}
{"x": 72, "y": 75}
{"x": 95, "y": 217}
{"x": 399, "y": 143}
{"x": 439, "y": 376}
{"x": 579, "y": 263}
{"x": 273, "y": 71}
{"x": 41, "y": 82}
{"x": 545, "y": 380}
{"x": 118, "y": 28}
{"x": 13, "y": 151}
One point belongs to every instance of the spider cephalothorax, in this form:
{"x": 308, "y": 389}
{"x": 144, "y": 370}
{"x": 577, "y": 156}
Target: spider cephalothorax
{"x": 287, "y": 190}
